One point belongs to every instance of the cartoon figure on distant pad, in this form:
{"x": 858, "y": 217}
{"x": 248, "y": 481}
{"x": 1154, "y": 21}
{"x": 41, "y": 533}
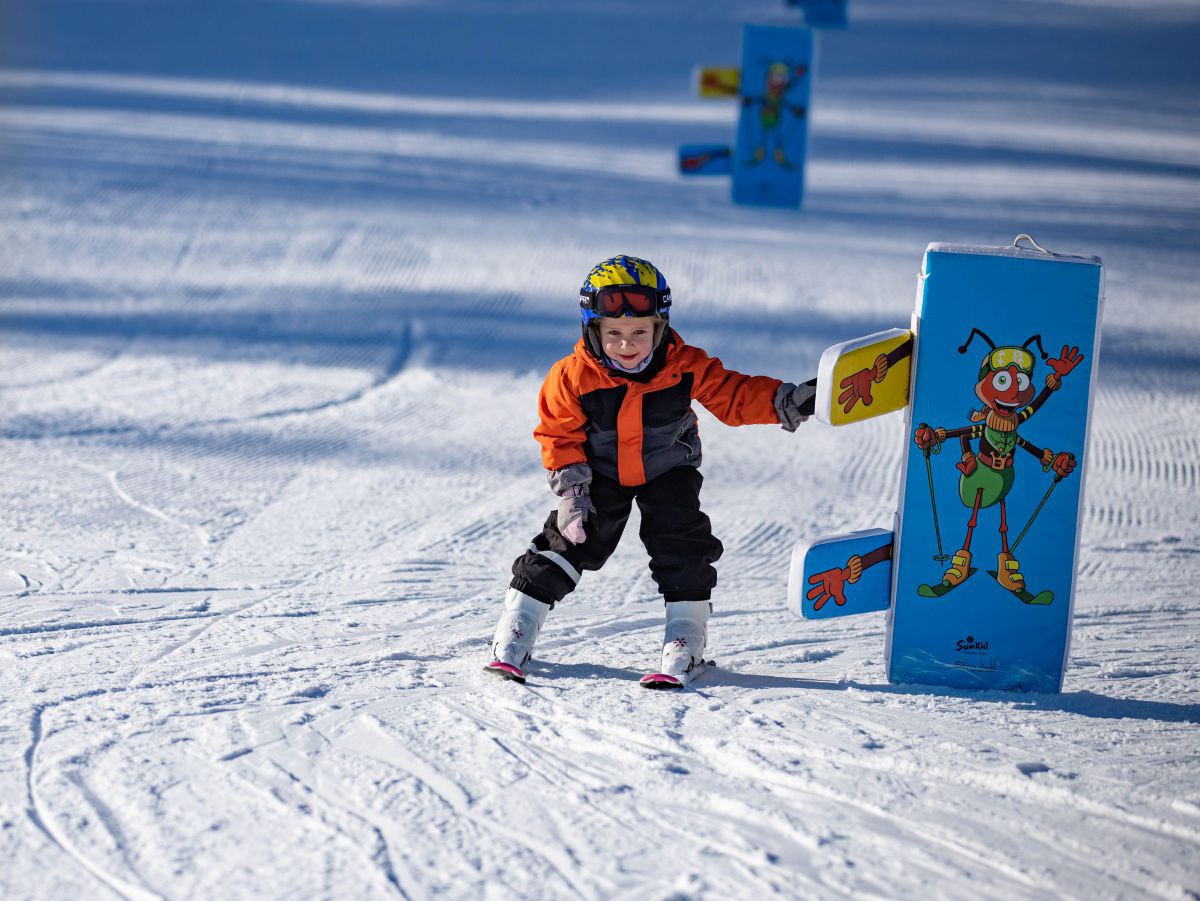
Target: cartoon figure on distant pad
{"x": 772, "y": 106}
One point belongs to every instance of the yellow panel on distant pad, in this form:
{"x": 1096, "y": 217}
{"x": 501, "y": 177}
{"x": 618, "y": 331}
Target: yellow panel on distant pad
{"x": 713, "y": 81}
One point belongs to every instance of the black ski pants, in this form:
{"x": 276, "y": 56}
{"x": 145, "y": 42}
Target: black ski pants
{"x": 676, "y": 532}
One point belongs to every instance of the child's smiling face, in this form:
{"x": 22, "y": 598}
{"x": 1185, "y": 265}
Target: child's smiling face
{"x": 627, "y": 340}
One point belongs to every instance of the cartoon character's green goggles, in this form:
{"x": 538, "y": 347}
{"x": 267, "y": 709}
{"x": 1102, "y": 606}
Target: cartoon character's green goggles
{"x": 1003, "y": 357}
{"x": 999, "y": 358}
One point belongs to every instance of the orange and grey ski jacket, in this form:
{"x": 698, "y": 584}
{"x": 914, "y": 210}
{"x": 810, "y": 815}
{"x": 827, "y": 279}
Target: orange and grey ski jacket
{"x": 632, "y": 429}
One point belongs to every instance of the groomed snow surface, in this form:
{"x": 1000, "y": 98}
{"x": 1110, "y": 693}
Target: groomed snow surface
{"x": 280, "y": 282}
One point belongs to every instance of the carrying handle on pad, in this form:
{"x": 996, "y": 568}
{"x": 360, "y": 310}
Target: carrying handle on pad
{"x": 1017, "y": 243}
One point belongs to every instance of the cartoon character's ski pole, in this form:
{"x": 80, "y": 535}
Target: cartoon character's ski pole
{"x": 941, "y": 556}
{"x": 1045, "y": 497}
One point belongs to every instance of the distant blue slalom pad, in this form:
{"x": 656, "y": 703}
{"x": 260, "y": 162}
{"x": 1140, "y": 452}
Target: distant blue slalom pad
{"x": 705, "y": 159}
{"x": 823, "y": 13}
{"x": 1000, "y": 306}
{"x": 841, "y": 575}
{"x": 772, "y": 131}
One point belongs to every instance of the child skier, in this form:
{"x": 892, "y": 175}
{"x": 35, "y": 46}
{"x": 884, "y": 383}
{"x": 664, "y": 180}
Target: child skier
{"x": 617, "y": 427}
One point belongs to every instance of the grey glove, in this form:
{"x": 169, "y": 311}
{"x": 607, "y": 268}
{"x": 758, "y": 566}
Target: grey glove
{"x": 571, "y": 483}
{"x": 795, "y": 403}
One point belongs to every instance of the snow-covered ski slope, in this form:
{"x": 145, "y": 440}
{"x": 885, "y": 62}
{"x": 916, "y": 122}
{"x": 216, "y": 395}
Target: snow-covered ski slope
{"x": 280, "y": 281}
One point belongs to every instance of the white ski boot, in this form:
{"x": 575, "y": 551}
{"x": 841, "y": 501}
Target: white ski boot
{"x": 685, "y": 638}
{"x": 516, "y": 632}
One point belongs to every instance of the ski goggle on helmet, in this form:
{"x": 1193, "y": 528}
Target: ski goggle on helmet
{"x": 624, "y": 286}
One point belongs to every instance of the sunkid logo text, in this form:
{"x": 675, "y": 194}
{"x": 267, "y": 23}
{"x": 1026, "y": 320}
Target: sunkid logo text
{"x": 971, "y": 644}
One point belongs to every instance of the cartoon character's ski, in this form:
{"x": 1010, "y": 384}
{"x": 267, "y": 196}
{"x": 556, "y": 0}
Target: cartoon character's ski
{"x": 968, "y": 295}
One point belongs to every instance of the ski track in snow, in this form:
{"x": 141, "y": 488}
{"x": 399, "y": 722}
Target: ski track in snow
{"x": 276, "y": 333}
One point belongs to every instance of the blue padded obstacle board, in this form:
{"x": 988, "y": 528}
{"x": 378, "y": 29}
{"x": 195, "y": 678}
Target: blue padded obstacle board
{"x": 992, "y": 480}
{"x": 823, "y": 13}
{"x": 772, "y": 131}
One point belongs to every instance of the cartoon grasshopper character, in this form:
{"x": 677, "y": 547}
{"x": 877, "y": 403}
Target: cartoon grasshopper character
{"x": 1005, "y": 386}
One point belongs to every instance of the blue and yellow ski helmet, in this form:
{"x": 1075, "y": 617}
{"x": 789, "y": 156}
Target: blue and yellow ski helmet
{"x": 623, "y": 286}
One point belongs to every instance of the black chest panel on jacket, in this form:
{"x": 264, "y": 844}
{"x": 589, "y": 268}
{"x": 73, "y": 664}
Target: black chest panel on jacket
{"x": 601, "y": 407}
{"x": 669, "y": 405}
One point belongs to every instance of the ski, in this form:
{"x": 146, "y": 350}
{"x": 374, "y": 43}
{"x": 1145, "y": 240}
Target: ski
{"x": 942, "y": 588}
{"x": 650, "y": 680}
{"x": 505, "y": 671}
{"x": 666, "y": 681}
{"x": 1041, "y": 598}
